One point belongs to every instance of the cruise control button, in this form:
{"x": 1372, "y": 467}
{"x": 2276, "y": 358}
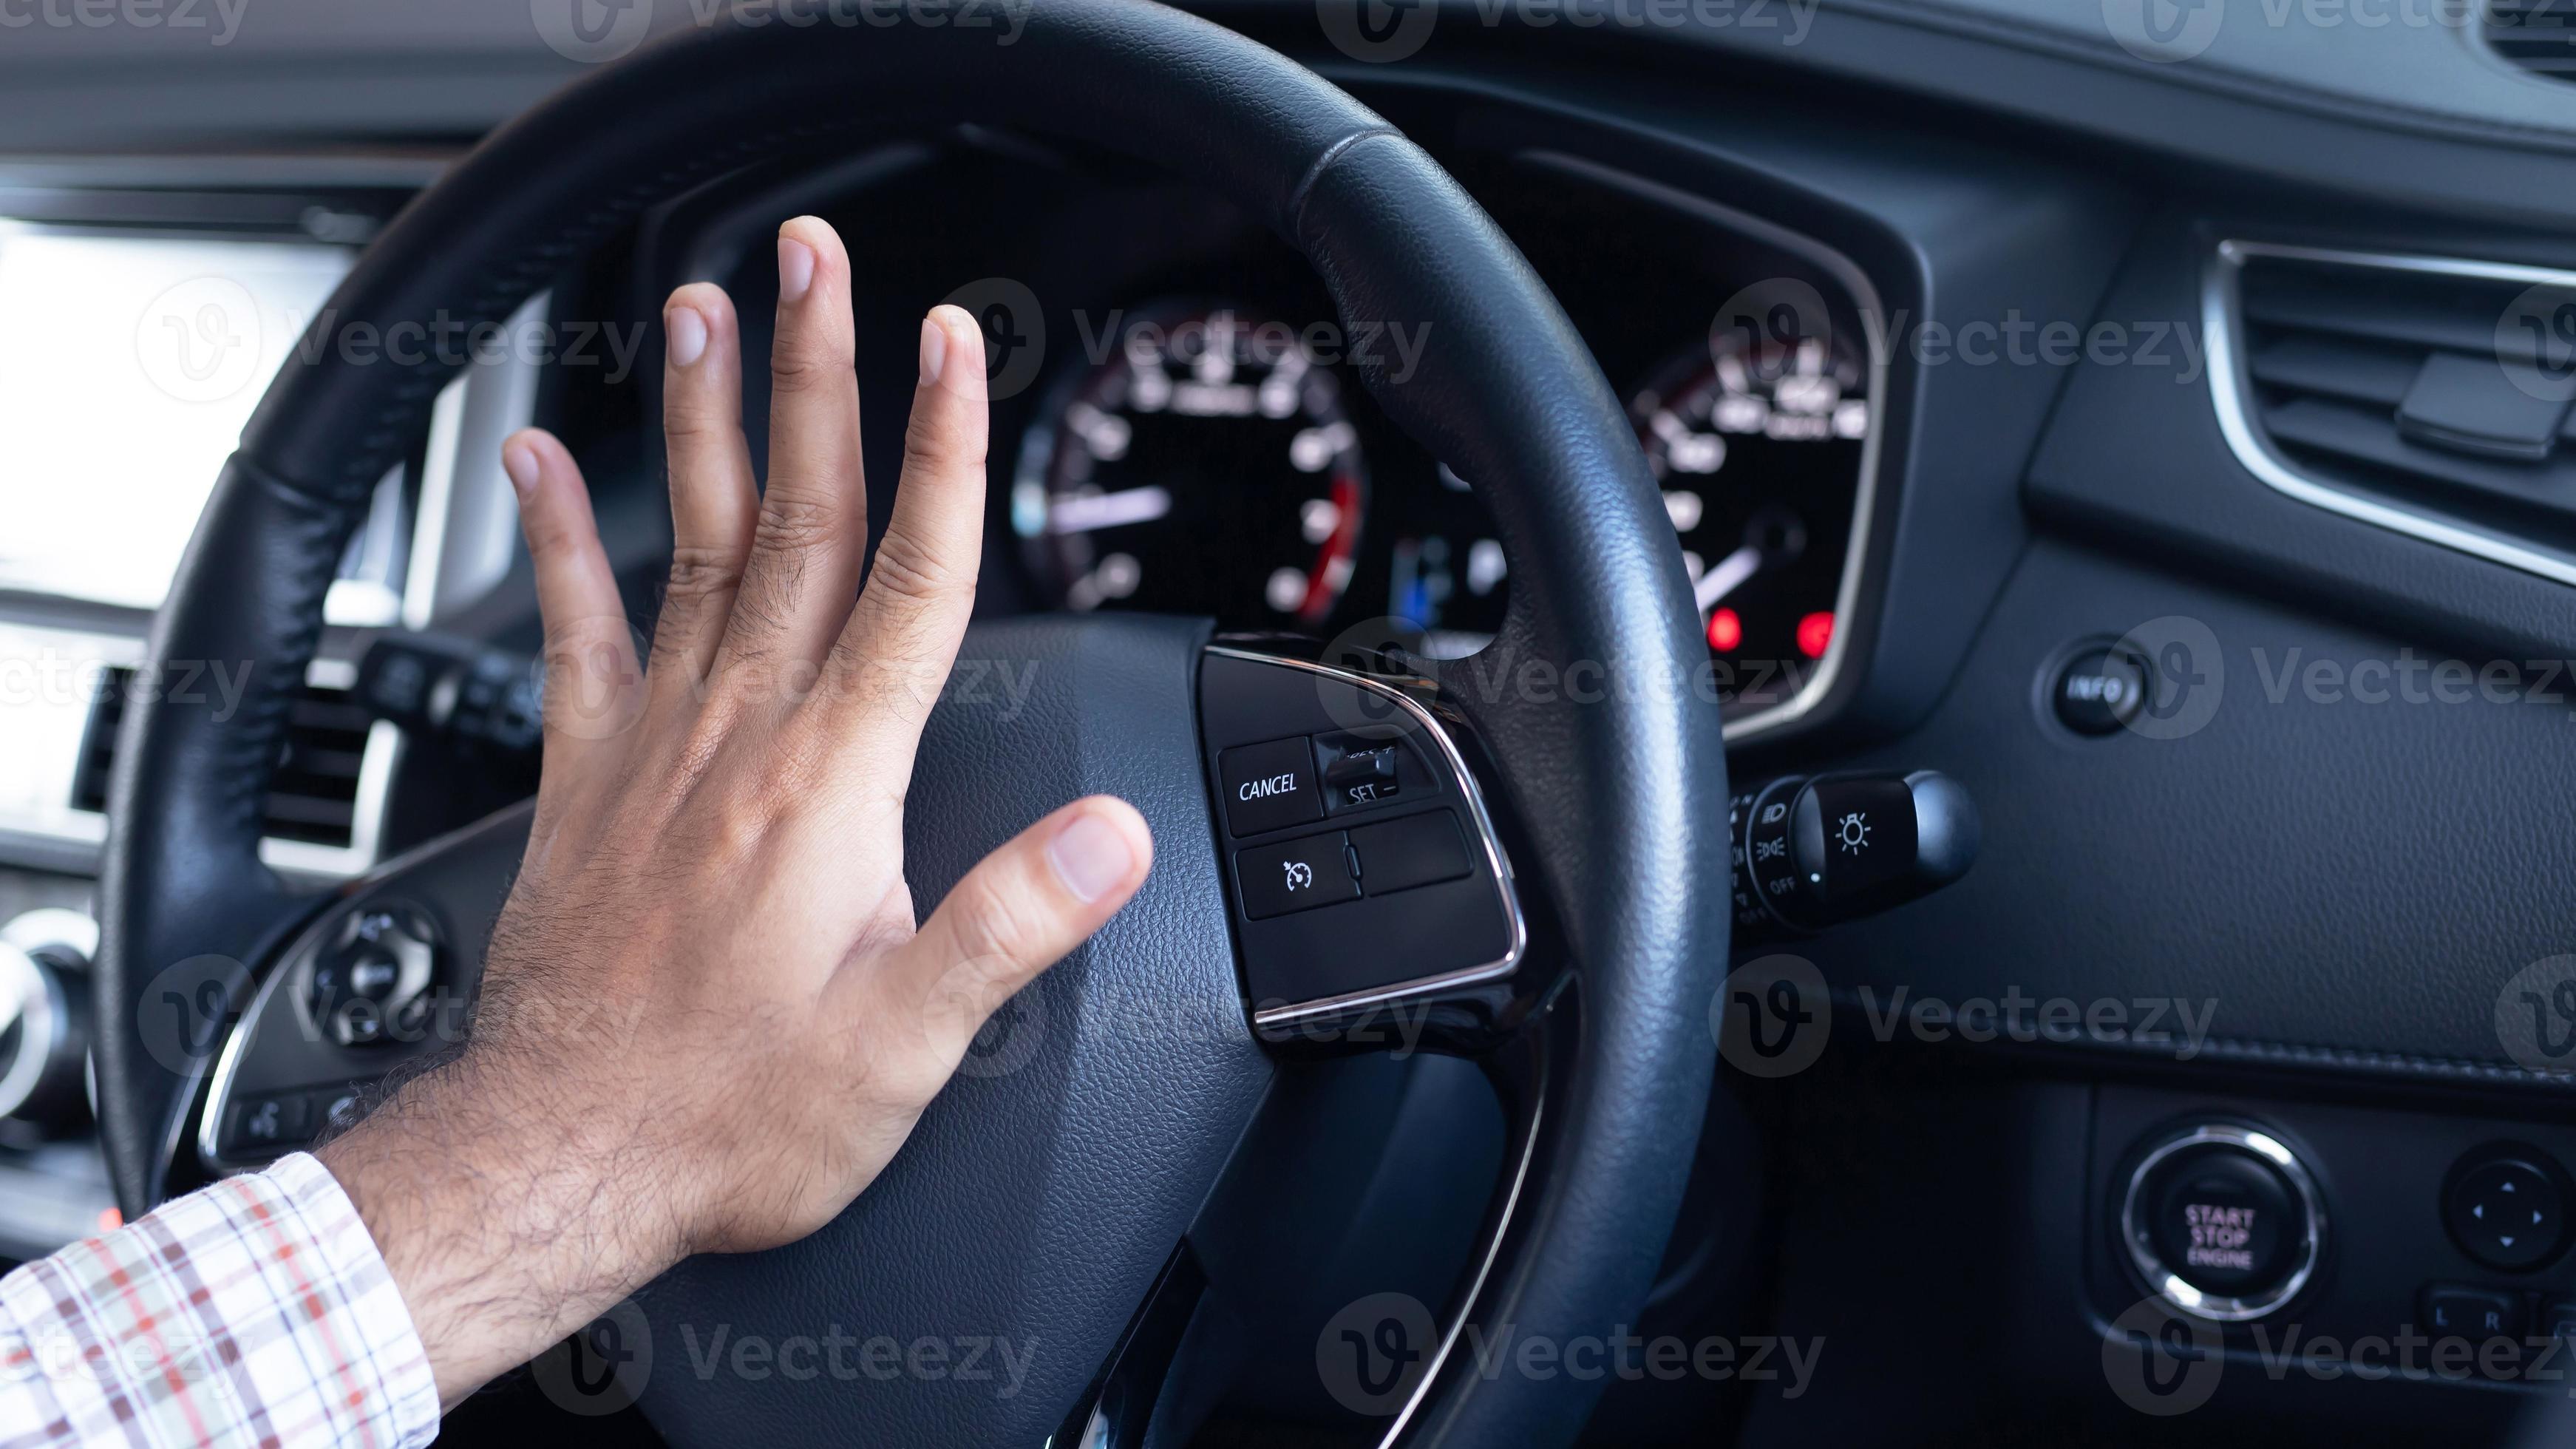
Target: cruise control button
{"x": 1361, "y": 777}
{"x": 1415, "y": 851}
{"x": 1269, "y": 786}
{"x": 1295, "y": 875}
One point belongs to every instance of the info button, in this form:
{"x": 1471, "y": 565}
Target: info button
{"x": 1269, "y": 786}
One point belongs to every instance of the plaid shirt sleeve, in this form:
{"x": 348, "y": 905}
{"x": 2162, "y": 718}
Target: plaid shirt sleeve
{"x": 256, "y": 1312}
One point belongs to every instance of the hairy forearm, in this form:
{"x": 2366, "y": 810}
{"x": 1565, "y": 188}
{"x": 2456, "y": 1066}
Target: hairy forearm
{"x": 505, "y": 1220}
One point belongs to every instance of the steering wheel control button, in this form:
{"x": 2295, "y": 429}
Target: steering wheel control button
{"x": 2506, "y": 1207}
{"x": 1418, "y": 850}
{"x": 1296, "y": 875}
{"x": 1269, "y": 786}
{"x": 371, "y": 984}
{"x": 266, "y": 1126}
{"x": 2099, "y": 690}
{"x": 1360, "y": 772}
{"x": 1403, "y": 892}
{"x": 2223, "y": 1222}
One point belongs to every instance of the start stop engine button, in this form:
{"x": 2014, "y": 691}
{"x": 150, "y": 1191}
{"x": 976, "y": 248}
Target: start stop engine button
{"x": 2223, "y": 1222}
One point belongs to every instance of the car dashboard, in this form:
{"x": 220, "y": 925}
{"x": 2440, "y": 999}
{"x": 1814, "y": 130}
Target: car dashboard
{"x": 2029, "y": 408}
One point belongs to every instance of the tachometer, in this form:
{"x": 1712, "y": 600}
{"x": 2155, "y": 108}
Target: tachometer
{"x": 1758, "y": 441}
{"x": 1206, "y": 465}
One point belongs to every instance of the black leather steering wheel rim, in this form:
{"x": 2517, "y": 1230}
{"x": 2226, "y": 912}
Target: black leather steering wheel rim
{"x": 1619, "y": 784}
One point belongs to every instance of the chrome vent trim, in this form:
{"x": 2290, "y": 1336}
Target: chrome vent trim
{"x": 2230, "y": 387}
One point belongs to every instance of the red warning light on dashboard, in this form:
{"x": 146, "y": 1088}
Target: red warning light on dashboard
{"x": 1815, "y": 631}
{"x": 1725, "y": 630}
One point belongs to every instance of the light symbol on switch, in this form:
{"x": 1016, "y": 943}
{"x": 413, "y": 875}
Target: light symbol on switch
{"x": 1853, "y": 832}
{"x": 1300, "y": 875}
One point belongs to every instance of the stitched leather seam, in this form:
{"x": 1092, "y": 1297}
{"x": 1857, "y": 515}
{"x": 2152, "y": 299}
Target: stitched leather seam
{"x": 1332, "y": 155}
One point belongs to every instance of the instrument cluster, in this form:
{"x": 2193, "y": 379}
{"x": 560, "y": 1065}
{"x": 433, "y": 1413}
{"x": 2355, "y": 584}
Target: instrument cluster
{"x": 1214, "y": 455}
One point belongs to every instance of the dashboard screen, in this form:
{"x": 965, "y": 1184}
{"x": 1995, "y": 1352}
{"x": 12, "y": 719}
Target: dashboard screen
{"x": 128, "y": 366}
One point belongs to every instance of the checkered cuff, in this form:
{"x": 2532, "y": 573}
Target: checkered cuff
{"x": 256, "y": 1312}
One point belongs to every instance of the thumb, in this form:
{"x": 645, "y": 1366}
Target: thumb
{"x": 1014, "y": 915}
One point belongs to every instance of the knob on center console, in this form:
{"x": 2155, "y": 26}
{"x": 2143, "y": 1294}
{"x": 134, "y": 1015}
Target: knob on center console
{"x": 44, "y": 1020}
{"x": 2223, "y": 1222}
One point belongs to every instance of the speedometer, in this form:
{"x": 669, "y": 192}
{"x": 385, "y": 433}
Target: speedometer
{"x": 1757, "y": 441}
{"x": 1205, "y": 465}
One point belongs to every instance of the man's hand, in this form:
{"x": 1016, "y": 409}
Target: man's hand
{"x": 708, "y": 1017}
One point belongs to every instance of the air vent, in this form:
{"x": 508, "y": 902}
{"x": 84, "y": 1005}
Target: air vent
{"x": 2534, "y": 34}
{"x": 2423, "y": 394}
{"x": 314, "y": 796}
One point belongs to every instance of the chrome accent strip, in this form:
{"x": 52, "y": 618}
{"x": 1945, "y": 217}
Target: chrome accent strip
{"x": 1496, "y": 861}
{"x": 467, "y": 529}
{"x": 1475, "y": 1290}
{"x": 2222, "y": 323}
{"x": 2181, "y": 1296}
{"x": 1863, "y": 296}
{"x": 31, "y": 1006}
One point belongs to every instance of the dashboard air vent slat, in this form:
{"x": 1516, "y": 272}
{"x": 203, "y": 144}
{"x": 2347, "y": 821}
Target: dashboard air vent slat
{"x": 2408, "y": 383}
{"x": 314, "y": 795}
{"x": 2538, "y": 35}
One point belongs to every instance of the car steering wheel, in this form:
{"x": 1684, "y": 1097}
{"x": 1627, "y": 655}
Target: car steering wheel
{"x": 1043, "y": 1204}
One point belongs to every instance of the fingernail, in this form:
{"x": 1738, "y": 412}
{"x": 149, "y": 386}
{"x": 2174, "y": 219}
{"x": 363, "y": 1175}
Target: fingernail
{"x": 795, "y": 269}
{"x": 934, "y": 351}
{"x": 520, "y": 462}
{"x": 1091, "y": 856}
{"x": 688, "y": 330}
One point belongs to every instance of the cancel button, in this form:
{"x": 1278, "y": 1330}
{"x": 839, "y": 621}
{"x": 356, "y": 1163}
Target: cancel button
{"x": 1269, "y": 786}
